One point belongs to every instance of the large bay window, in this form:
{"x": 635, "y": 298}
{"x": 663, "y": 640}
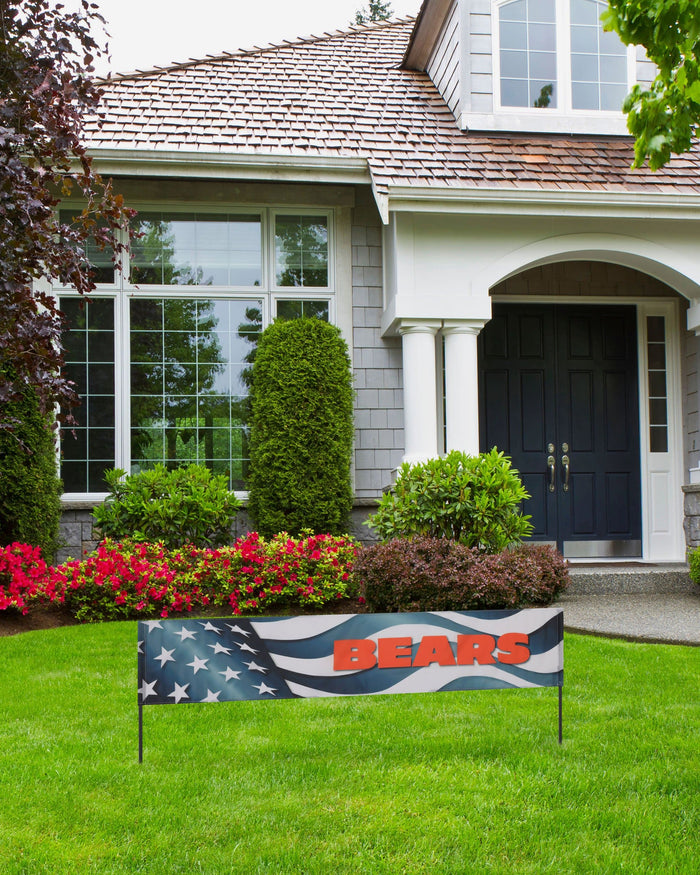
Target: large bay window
{"x": 161, "y": 352}
{"x": 555, "y": 55}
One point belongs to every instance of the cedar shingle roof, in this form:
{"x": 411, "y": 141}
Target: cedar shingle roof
{"x": 345, "y": 95}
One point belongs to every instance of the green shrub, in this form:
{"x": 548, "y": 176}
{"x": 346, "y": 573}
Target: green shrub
{"x": 694, "y": 565}
{"x": 301, "y": 429}
{"x": 471, "y": 499}
{"x": 436, "y": 574}
{"x": 30, "y": 490}
{"x": 185, "y": 505}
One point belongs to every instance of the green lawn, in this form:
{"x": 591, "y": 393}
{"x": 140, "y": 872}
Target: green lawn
{"x": 445, "y": 783}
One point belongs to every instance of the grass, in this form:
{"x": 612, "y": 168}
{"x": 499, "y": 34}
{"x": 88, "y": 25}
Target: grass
{"x": 443, "y": 783}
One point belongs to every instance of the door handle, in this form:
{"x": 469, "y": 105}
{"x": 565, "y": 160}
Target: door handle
{"x": 552, "y": 465}
{"x": 566, "y": 462}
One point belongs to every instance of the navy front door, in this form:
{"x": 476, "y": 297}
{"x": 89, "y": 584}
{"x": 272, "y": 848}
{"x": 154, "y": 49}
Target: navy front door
{"x": 558, "y": 393}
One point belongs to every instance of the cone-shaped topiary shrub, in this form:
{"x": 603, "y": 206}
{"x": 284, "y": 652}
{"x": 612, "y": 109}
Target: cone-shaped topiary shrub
{"x": 30, "y": 490}
{"x": 301, "y": 429}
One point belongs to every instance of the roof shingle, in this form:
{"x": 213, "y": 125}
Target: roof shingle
{"x": 346, "y": 95}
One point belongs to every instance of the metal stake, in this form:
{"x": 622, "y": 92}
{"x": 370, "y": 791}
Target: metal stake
{"x": 560, "y": 715}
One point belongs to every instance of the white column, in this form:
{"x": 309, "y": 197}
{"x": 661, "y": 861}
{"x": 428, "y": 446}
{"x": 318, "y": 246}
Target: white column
{"x": 419, "y": 390}
{"x": 462, "y": 385}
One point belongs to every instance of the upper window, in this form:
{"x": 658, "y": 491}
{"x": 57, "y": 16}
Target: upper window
{"x": 528, "y": 53}
{"x": 554, "y": 54}
{"x": 598, "y": 60}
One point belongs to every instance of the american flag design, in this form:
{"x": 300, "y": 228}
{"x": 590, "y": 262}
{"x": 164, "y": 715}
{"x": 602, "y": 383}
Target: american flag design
{"x": 221, "y": 660}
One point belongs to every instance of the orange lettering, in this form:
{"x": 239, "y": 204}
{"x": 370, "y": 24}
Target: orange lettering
{"x": 394, "y": 652}
{"x": 514, "y": 647}
{"x": 434, "y": 648}
{"x": 475, "y": 648}
{"x": 353, "y": 654}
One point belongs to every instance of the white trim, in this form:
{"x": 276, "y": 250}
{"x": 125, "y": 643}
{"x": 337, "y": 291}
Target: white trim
{"x": 661, "y": 473}
{"x": 679, "y": 272}
{"x": 536, "y": 202}
{"x": 539, "y": 121}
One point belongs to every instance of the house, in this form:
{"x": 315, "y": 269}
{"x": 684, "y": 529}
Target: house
{"x": 455, "y": 192}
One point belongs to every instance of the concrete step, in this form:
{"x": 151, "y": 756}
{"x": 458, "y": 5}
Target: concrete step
{"x": 630, "y": 578}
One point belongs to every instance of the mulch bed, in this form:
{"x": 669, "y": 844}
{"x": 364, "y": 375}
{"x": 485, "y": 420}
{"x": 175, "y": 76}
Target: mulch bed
{"x": 53, "y": 617}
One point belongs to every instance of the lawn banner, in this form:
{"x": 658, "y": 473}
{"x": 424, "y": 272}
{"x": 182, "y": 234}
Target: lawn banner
{"x": 223, "y": 660}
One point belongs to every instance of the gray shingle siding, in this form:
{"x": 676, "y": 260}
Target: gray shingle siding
{"x": 379, "y": 439}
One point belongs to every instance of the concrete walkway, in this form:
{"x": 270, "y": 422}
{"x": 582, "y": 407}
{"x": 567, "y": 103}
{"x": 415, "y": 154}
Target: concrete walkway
{"x": 650, "y": 604}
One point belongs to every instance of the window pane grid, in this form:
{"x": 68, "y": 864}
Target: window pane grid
{"x": 89, "y": 355}
{"x": 598, "y": 61}
{"x": 181, "y": 376}
{"x": 189, "y": 383}
{"x": 657, "y": 381}
{"x": 528, "y": 54}
{"x": 99, "y": 260}
{"x": 301, "y": 251}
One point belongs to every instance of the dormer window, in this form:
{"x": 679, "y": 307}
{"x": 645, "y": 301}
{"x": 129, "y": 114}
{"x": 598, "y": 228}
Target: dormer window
{"x": 554, "y": 54}
{"x": 598, "y": 60}
{"x": 528, "y": 53}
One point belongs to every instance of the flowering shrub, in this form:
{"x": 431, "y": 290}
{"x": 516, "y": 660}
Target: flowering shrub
{"x": 122, "y": 580}
{"x": 311, "y": 570}
{"x": 127, "y": 579}
{"x": 437, "y": 574}
{"x": 22, "y": 575}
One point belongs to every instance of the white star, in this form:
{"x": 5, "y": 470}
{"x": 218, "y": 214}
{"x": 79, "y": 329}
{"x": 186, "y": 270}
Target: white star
{"x": 238, "y": 630}
{"x": 153, "y": 624}
{"x": 165, "y": 656}
{"x": 217, "y": 648}
{"x": 146, "y": 690}
{"x": 209, "y": 627}
{"x": 199, "y": 664}
{"x": 253, "y": 666}
{"x": 139, "y": 647}
{"x": 230, "y": 673}
{"x": 247, "y": 647}
{"x": 263, "y": 687}
{"x": 179, "y": 693}
{"x": 186, "y": 633}
{"x": 212, "y": 697}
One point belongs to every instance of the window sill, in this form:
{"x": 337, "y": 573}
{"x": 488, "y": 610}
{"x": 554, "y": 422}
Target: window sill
{"x": 547, "y": 122}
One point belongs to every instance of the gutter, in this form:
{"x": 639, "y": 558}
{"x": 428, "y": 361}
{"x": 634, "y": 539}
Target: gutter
{"x": 230, "y": 165}
{"x": 544, "y": 202}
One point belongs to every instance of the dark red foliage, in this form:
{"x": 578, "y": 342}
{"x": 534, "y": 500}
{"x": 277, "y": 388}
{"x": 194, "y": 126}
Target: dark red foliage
{"x": 46, "y": 94}
{"x": 437, "y": 574}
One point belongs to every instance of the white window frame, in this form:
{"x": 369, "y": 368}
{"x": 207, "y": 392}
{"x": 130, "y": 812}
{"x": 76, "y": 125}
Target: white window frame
{"x": 122, "y": 292}
{"x": 563, "y": 117}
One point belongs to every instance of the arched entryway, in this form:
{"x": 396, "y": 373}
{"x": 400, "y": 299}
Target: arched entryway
{"x": 578, "y": 384}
